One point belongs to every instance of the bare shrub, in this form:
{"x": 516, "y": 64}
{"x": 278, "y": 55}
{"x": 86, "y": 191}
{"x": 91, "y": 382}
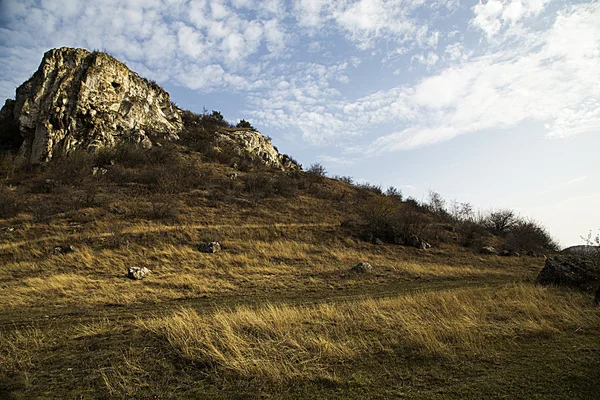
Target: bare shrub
{"x": 500, "y": 221}
{"x": 316, "y": 169}
{"x": 529, "y": 236}
{"x": 472, "y": 234}
{"x": 387, "y": 219}
{"x": 346, "y": 179}
{"x": 394, "y": 192}
{"x": 260, "y": 185}
{"x": 163, "y": 208}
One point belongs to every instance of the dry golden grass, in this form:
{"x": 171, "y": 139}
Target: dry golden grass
{"x": 292, "y": 256}
{"x": 283, "y": 343}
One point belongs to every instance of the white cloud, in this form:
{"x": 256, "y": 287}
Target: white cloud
{"x": 493, "y": 15}
{"x": 428, "y": 60}
{"x": 554, "y": 82}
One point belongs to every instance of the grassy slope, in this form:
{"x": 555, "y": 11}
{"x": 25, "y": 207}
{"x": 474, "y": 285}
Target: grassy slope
{"x": 277, "y": 313}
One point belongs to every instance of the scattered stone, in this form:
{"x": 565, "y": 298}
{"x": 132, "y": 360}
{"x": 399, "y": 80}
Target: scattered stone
{"x": 377, "y": 241}
{"x": 137, "y": 273}
{"x": 508, "y": 253}
{"x": 575, "y": 271}
{"x": 60, "y": 250}
{"x": 232, "y": 175}
{"x": 488, "y": 250}
{"x": 211, "y": 247}
{"x": 362, "y": 268}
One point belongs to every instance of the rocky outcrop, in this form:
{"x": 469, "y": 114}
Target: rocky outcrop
{"x": 254, "y": 144}
{"x": 88, "y": 100}
{"x": 85, "y": 100}
{"x": 574, "y": 271}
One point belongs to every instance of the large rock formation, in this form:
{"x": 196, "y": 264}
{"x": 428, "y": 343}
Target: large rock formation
{"x": 80, "y": 99}
{"x": 575, "y": 271}
{"x": 88, "y": 100}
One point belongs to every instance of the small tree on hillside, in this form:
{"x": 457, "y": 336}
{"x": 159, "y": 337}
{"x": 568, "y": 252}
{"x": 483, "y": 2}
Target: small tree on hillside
{"x": 245, "y": 125}
{"x": 316, "y": 169}
{"x": 436, "y": 203}
{"x": 393, "y": 192}
{"x": 500, "y": 221}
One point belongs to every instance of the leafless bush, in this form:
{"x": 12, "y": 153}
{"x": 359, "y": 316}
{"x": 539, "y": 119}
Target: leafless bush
{"x": 260, "y": 185}
{"x": 316, "y": 169}
{"x": 387, "y": 219}
{"x": 501, "y": 221}
{"x": 163, "y": 208}
{"x": 529, "y": 236}
{"x": 346, "y": 179}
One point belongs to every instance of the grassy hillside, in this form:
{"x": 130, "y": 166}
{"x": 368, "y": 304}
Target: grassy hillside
{"x": 277, "y": 313}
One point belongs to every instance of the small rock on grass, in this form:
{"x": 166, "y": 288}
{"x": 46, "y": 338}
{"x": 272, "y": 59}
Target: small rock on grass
{"x": 211, "y": 247}
{"x": 362, "y": 267}
{"x": 137, "y": 273}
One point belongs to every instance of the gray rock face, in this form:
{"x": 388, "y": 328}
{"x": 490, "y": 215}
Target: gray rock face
{"x": 137, "y": 273}
{"x": 211, "y": 247}
{"x": 362, "y": 268}
{"x": 575, "y": 271}
{"x": 83, "y": 100}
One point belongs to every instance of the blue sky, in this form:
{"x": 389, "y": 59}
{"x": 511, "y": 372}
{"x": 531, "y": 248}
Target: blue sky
{"x": 494, "y": 102}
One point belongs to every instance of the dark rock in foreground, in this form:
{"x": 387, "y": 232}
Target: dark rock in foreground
{"x": 574, "y": 271}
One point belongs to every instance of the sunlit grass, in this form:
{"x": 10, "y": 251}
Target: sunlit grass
{"x": 288, "y": 342}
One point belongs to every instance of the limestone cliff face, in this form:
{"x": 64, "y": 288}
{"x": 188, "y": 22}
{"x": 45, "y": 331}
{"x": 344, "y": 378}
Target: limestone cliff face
{"x": 78, "y": 99}
{"x": 88, "y": 100}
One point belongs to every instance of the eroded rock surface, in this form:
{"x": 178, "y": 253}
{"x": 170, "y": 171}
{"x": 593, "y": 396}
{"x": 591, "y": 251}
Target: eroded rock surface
{"x": 88, "y": 100}
{"x": 84, "y": 100}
